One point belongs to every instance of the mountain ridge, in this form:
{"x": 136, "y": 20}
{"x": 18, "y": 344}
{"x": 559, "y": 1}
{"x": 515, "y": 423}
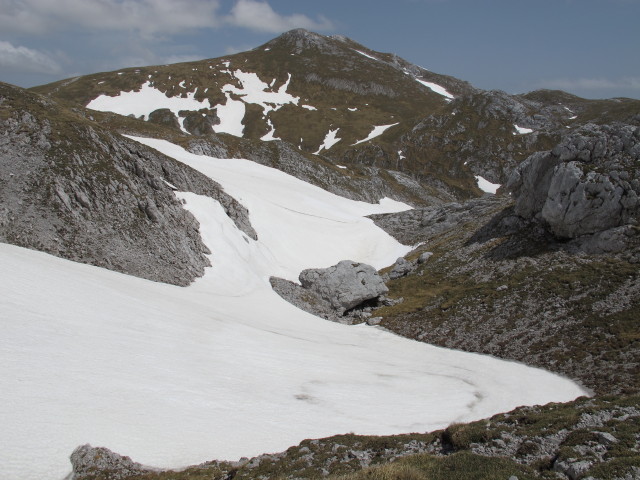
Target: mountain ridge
{"x": 499, "y": 278}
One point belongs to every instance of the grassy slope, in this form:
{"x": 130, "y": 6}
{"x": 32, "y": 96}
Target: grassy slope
{"x": 526, "y": 442}
{"x": 524, "y": 298}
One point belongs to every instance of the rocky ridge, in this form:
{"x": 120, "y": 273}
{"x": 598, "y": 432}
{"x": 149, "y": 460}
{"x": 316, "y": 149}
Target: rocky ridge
{"x": 594, "y": 438}
{"x": 76, "y": 190}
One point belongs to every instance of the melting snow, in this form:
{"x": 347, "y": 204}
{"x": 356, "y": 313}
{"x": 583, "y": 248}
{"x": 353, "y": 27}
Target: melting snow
{"x": 377, "y": 131}
{"x": 225, "y": 368}
{"x": 182, "y": 84}
{"x": 145, "y": 101}
{"x": 269, "y": 136}
{"x": 486, "y": 186}
{"x": 231, "y": 115}
{"x": 436, "y": 88}
{"x": 522, "y": 130}
{"x": 330, "y": 140}
{"x": 366, "y": 55}
{"x": 256, "y": 91}
{"x": 352, "y": 109}
{"x": 309, "y": 107}
{"x": 340, "y": 166}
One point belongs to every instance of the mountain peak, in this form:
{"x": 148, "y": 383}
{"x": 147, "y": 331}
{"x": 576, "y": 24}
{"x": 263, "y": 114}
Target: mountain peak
{"x": 300, "y": 39}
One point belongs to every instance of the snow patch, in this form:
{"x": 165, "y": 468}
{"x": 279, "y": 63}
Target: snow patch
{"x": 522, "y": 130}
{"x": 436, "y": 88}
{"x": 231, "y": 115}
{"x": 329, "y": 141}
{"x": 145, "y": 101}
{"x": 486, "y": 186}
{"x": 270, "y": 135}
{"x": 309, "y": 107}
{"x": 366, "y": 55}
{"x": 376, "y": 132}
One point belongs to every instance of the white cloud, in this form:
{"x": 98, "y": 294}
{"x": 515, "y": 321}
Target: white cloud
{"x": 258, "y": 15}
{"x": 148, "y": 17}
{"x": 19, "y": 59}
{"x": 592, "y": 83}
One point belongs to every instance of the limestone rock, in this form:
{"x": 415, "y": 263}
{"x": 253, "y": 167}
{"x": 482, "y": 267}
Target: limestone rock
{"x": 344, "y": 285}
{"x": 87, "y": 460}
{"x": 164, "y": 116}
{"x": 587, "y": 184}
{"x": 401, "y": 268}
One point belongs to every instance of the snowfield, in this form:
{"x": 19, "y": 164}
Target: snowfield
{"x": 225, "y": 368}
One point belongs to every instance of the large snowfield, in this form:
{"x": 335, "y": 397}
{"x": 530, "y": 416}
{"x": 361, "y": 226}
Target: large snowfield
{"x": 225, "y": 368}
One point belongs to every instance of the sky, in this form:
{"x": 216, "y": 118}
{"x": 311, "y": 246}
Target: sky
{"x": 590, "y": 48}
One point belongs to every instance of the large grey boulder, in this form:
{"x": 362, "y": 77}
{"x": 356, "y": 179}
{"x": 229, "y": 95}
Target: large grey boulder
{"x": 344, "y": 285}
{"x": 87, "y": 461}
{"x": 588, "y": 183}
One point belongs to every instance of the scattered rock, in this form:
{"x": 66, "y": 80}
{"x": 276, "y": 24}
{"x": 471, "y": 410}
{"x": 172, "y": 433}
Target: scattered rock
{"x": 572, "y": 468}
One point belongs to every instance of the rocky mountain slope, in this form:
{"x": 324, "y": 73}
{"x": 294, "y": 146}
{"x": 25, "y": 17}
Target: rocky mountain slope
{"x": 79, "y": 191}
{"x": 352, "y": 106}
{"x": 545, "y": 273}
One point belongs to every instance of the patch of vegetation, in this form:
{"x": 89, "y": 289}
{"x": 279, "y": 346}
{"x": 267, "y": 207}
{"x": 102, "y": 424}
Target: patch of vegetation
{"x": 459, "y": 466}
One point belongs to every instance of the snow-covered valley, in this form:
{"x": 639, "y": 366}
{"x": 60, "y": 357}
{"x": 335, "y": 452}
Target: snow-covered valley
{"x": 225, "y": 368}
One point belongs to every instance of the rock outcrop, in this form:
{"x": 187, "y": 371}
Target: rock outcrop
{"x": 74, "y": 189}
{"x": 87, "y": 461}
{"x": 588, "y": 184}
{"x": 345, "y": 285}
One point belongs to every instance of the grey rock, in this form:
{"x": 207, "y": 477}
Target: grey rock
{"x": 164, "y": 116}
{"x": 572, "y": 468}
{"x": 87, "y": 460}
{"x": 344, "y": 285}
{"x": 424, "y": 257}
{"x": 401, "y": 268}
{"x": 307, "y": 300}
{"x": 198, "y": 123}
{"x": 374, "y": 321}
{"x": 583, "y": 186}
{"x": 606, "y": 438}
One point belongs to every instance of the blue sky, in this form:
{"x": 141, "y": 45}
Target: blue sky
{"x": 587, "y": 47}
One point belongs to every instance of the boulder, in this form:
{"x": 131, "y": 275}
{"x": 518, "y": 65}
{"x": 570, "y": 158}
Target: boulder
{"x": 401, "y": 268}
{"x": 164, "y": 116}
{"x": 424, "y": 256}
{"x": 87, "y": 460}
{"x": 587, "y": 184}
{"x": 345, "y": 285}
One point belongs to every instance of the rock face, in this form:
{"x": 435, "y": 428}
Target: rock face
{"x": 589, "y": 183}
{"x": 87, "y": 461}
{"x": 344, "y": 285}
{"x": 86, "y": 194}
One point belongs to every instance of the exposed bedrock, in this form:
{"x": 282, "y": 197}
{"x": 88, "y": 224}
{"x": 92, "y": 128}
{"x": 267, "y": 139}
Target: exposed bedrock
{"x": 588, "y": 184}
